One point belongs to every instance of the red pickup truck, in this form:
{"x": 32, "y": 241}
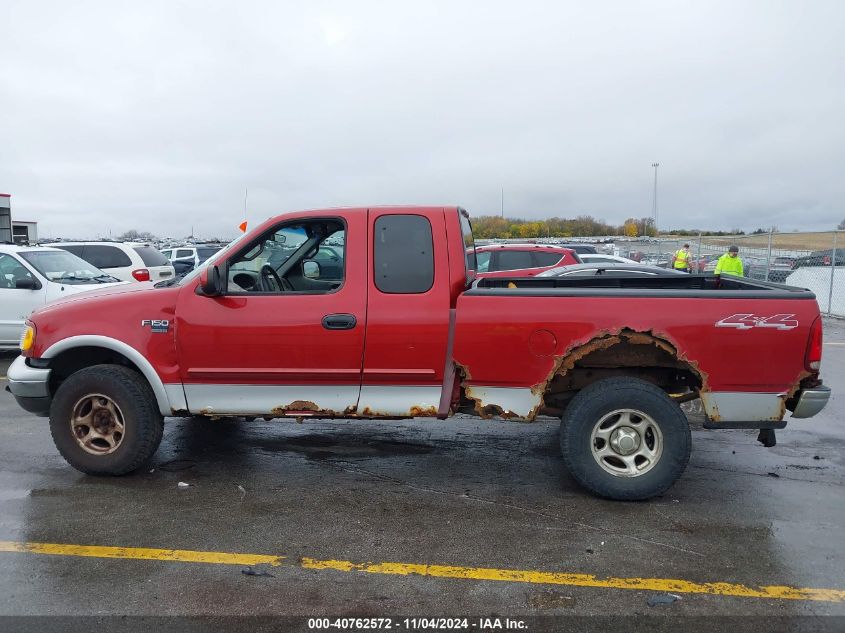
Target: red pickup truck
{"x": 375, "y": 312}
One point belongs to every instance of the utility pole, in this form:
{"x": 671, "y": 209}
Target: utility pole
{"x": 654, "y": 199}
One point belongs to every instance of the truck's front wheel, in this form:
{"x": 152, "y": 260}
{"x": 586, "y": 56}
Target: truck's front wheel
{"x": 105, "y": 420}
{"x": 624, "y": 438}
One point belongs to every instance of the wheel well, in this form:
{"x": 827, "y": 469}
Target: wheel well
{"x": 628, "y": 353}
{"x": 72, "y": 360}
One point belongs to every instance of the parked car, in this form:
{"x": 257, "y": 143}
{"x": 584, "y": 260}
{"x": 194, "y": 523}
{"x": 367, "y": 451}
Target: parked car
{"x": 612, "y": 269}
{"x": 780, "y": 268}
{"x": 521, "y": 260}
{"x": 186, "y": 258}
{"x": 33, "y": 276}
{"x": 128, "y": 261}
{"x": 592, "y": 258}
{"x": 580, "y": 248}
{"x": 407, "y": 332}
{"x": 821, "y": 258}
{"x": 754, "y": 267}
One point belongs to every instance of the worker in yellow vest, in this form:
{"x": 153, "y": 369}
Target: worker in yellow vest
{"x": 681, "y": 259}
{"x": 730, "y": 263}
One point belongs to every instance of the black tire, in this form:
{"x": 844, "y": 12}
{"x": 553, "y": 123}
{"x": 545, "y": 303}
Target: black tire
{"x": 598, "y": 400}
{"x": 143, "y": 424}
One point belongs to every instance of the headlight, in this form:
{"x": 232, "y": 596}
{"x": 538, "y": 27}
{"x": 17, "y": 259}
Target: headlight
{"x": 28, "y": 337}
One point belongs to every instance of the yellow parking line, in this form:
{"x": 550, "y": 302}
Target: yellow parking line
{"x": 780, "y": 592}
{"x": 581, "y": 580}
{"x": 141, "y": 553}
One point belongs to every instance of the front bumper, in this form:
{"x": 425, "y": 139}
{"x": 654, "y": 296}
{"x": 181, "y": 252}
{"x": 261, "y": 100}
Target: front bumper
{"x": 30, "y": 386}
{"x": 811, "y": 401}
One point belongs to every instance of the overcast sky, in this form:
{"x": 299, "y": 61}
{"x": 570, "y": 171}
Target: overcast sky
{"x": 158, "y": 115}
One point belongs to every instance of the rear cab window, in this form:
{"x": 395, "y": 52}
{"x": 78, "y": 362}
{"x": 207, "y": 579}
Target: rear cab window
{"x": 403, "y": 254}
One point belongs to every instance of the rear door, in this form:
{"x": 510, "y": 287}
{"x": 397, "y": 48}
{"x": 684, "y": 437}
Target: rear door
{"x": 159, "y": 266}
{"x": 408, "y": 313}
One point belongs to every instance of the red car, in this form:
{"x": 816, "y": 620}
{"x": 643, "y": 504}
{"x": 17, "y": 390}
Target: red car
{"x": 404, "y": 330}
{"x": 521, "y": 260}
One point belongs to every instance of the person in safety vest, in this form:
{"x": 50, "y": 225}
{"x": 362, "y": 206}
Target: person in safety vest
{"x": 730, "y": 263}
{"x": 681, "y": 259}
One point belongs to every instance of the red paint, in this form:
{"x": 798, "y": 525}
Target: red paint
{"x": 402, "y": 339}
{"x": 141, "y": 274}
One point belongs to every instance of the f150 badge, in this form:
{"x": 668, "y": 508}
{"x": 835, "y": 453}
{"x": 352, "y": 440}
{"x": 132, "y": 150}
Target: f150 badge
{"x": 747, "y": 321}
{"x": 158, "y": 326}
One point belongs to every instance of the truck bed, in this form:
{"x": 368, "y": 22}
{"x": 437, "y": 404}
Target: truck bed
{"x": 687, "y": 286}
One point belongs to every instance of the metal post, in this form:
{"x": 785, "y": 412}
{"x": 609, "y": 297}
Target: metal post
{"x": 769, "y": 254}
{"x": 832, "y": 272}
{"x": 654, "y": 200}
{"x": 698, "y": 256}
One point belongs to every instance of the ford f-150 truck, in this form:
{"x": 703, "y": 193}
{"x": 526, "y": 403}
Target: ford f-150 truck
{"x": 399, "y": 328}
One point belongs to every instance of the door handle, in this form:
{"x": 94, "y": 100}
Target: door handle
{"x": 339, "y": 321}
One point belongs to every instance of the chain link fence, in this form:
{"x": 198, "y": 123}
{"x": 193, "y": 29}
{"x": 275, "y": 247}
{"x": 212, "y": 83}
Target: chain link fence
{"x": 807, "y": 260}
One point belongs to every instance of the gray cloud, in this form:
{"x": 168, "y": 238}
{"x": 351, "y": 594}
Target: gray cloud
{"x": 157, "y": 115}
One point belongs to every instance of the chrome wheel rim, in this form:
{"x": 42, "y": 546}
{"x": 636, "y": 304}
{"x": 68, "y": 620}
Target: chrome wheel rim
{"x": 626, "y": 443}
{"x": 97, "y": 424}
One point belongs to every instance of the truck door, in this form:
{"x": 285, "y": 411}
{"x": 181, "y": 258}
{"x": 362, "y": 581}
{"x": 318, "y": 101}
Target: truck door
{"x": 408, "y": 313}
{"x": 16, "y": 304}
{"x": 287, "y": 336}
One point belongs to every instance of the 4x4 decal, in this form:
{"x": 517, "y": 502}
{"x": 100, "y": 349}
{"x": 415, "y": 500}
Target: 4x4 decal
{"x": 745, "y": 321}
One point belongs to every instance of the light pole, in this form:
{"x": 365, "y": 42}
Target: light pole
{"x": 503, "y": 202}
{"x": 654, "y": 199}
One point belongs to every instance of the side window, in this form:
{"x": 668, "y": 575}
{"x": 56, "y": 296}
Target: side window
{"x": 513, "y": 260}
{"x": 7, "y": 271}
{"x": 182, "y": 253}
{"x": 403, "y": 254}
{"x": 301, "y": 257}
{"x": 104, "y": 257}
{"x": 328, "y": 258}
{"x": 483, "y": 261}
{"x": 167, "y": 253}
{"x": 546, "y": 259}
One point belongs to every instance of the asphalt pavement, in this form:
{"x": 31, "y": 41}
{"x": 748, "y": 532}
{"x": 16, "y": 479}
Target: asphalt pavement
{"x": 424, "y": 517}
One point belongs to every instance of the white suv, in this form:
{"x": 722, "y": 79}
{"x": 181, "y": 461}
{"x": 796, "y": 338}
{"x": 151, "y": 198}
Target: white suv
{"x": 128, "y": 261}
{"x": 186, "y": 258}
{"x": 31, "y": 276}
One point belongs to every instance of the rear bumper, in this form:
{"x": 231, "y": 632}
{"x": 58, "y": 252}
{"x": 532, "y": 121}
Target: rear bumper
{"x": 30, "y": 386}
{"x": 811, "y": 401}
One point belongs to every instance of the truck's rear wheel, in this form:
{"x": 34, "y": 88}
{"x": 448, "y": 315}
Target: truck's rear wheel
{"x": 105, "y": 420}
{"x": 624, "y": 438}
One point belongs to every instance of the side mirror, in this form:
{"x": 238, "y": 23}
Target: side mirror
{"x": 311, "y": 269}
{"x": 27, "y": 283}
{"x": 211, "y": 282}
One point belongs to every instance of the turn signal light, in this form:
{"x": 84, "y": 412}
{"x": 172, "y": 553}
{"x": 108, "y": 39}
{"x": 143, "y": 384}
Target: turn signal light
{"x": 27, "y": 338}
{"x": 813, "y": 359}
{"x": 142, "y": 274}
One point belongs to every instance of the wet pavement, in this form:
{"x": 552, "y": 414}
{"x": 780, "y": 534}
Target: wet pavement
{"x": 464, "y": 492}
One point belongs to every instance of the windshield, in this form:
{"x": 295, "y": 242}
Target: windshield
{"x": 64, "y": 267}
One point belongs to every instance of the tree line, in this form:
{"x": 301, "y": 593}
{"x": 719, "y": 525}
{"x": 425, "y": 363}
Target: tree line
{"x": 497, "y": 227}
